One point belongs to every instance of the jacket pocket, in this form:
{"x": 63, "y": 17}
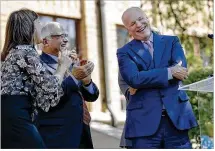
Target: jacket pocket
{"x": 183, "y": 97}
{"x": 50, "y": 129}
{"x": 132, "y": 106}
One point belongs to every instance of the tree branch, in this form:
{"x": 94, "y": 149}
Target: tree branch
{"x": 176, "y": 17}
{"x": 159, "y": 12}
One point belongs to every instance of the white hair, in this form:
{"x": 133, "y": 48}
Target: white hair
{"x": 52, "y": 28}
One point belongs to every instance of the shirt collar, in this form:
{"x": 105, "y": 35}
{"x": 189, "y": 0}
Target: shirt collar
{"x": 53, "y": 57}
{"x": 150, "y": 38}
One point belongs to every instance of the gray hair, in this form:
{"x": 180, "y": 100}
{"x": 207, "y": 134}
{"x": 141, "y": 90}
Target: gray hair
{"x": 52, "y": 28}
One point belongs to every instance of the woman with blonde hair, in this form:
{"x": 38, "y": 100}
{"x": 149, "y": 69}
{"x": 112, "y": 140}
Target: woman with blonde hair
{"x": 25, "y": 84}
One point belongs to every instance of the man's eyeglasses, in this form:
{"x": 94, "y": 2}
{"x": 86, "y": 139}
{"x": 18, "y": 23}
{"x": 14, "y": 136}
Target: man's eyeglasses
{"x": 57, "y": 36}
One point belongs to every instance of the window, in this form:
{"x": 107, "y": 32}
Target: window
{"x": 122, "y": 36}
{"x": 69, "y": 25}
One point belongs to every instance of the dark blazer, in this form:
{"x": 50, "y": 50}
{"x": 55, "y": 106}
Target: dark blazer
{"x": 124, "y": 89}
{"x": 150, "y": 77}
{"x": 62, "y": 126}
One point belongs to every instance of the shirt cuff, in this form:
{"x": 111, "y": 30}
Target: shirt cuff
{"x": 75, "y": 80}
{"x": 169, "y": 74}
{"x": 89, "y": 88}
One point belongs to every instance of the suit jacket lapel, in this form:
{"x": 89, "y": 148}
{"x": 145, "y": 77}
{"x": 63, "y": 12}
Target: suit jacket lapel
{"x": 137, "y": 47}
{"x": 48, "y": 62}
{"x": 47, "y": 59}
{"x": 159, "y": 47}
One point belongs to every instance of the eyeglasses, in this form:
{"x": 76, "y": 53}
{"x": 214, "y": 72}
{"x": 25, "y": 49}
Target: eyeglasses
{"x": 57, "y": 36}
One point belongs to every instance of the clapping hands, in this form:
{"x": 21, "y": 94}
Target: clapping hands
{"x": 81, "y": 69}
{"x": 179, "y": 72}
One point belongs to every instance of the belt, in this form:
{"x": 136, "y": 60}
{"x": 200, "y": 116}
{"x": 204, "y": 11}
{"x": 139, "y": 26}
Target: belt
{"x": 164, "y": 113}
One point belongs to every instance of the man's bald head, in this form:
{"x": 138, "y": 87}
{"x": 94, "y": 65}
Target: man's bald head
{"x": 52, "y": 28}
{"x": 137, "y": 23}
{"x": 131, "y": 11}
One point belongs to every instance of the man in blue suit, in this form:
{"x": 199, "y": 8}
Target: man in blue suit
{"x": 66, "y": 126}
{"x": 158, "y": 114}
{"x": 127, "y": 91}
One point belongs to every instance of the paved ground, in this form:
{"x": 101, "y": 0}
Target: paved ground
{"x": 104, "y": 141}
{"x": 105, "y": 136}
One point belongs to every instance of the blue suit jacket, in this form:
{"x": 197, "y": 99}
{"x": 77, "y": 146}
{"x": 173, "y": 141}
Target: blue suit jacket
{"x": 61, "y": 127}
{"x": 150, "y": 77}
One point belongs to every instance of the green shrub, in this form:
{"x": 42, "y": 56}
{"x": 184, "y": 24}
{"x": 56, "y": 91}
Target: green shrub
{"x": 202, "y": 104}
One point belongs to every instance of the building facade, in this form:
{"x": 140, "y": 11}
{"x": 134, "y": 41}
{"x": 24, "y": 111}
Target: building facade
{"x": 95, "y": 29}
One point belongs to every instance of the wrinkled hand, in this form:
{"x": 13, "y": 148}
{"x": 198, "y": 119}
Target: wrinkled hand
{"x": 81, "y": 72}
{"x": 64, "y": 64}
{"x": 65, "y": 61}
{"x": 179, "y": 72}
{"x": 88, "y": 78}
{"x": 132, "y": 91}
{"x": 74, "y": 56}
